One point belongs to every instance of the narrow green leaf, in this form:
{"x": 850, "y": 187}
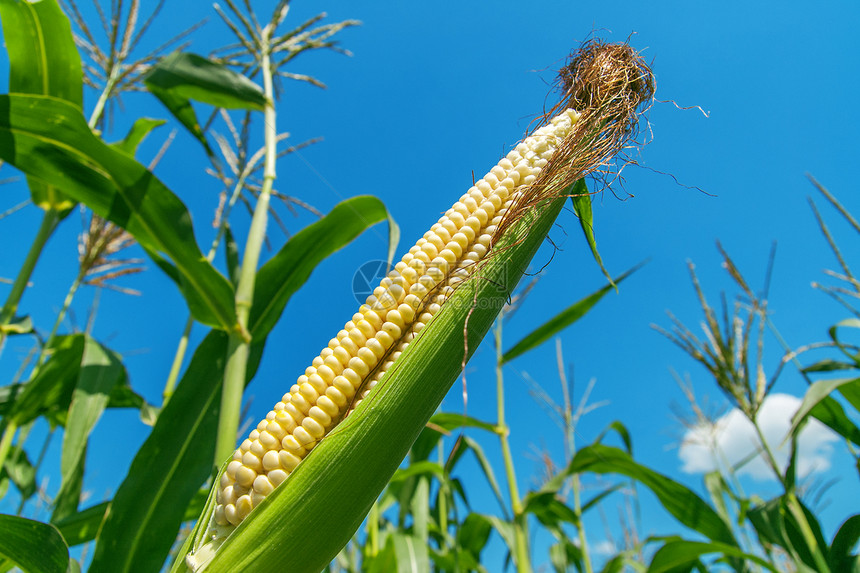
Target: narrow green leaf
{"x": 562, "y": 320}
{"x": 231, "y": 253}
{"x": 681, "y": 502}
{"x": 445, "y": 421}
{"x": 678, "y": 553}
{"x": 138, "y": 132}
{"x": 486, "y": 469}
{"x": 20, "y": 472}
{"x": 473, "y": 534}
{"x": 841, "y": 557}
{"x": 818, "y": 403}
{"x": 169, "y": 468}
{"x": 581, "y": 200}
{"x": 288, "y": 270}
{"x": 48, "y": 138}
{"x": 34, "y": 546}
{"x": 197, "y": 78}
{"x": 829, "y": 365}
{"x": 622, "y": 432}
{"x": 564, "y": 554}
{"x": 43, "y": 60}
{"x": 18, "y": 325}
{"x": 181, "y": 77}
{"x": 549, "y": 510}
{"x": 775, "y": 524}
{"x": 600, "y": 497}
{"x": 100, "y": 371}
{"x": 420, "y": 507}
{"x": 320, "y": 508}
{"x": 82, "y": 526}
{"x": 411, "y": 553}
{"x": 49, "y": 393}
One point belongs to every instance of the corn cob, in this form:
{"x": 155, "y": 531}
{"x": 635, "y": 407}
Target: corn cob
{"x": 413, "y": 292}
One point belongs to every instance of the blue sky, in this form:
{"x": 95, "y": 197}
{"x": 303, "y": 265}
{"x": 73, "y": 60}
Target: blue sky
{"x": 433, "y": 93}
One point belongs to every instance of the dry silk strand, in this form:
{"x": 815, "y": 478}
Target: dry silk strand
{"x": 412, "y": 293}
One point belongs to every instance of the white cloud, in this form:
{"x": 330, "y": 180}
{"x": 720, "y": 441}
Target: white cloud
{"x": 603, "y": 548}
{"x": 733, "y": 437}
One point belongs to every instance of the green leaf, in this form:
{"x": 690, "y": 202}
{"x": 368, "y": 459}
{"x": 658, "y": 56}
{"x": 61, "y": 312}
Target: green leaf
{"x": 169, "y": 468}
{"x": 82, "y": 526}
{"x": 410, "y": 552}
{"x": 183, "y": 76}
{"x": 841, "y": 557}
{"x": 48, "y": 138}
{"x": 197, "y": 78}
{"x": 20, "y": 471}
{"x": 775, "y": 524}
{"x": 473, "y": 534}
{"x": 138, "y": 132}
{"x": 34, "y": 546}
{"x": 231, "y": 253}
{"x": 18, "y": 325}
{"x": 562, "y": 320}
{"x": 564, "y": 554}
{"x": 288, "y": 270}
{"x": 581, "y": 200}
{"x": 549, "y": 510}
{"x": 101, "y": 370}
{"x": 486, "y": 468}
{"x": 445, "y": 421}
{"x": 43, "y": 60}
{"x": 320, "y": 508}
{"x": 50, "y": 391}
{"x": 679, "y": 553}
{"x": 420, "y": 507}
{"x": 818, "y": 403}
{"x": 681, "y": 502}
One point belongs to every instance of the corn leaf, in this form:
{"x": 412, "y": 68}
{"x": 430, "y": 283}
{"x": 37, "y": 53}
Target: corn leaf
{"x": 580, "y": 198}
{"x": 145, "y": 514}
{"x": 818, "y": 403}
{"x": 43, "y": 60}
{"x": 48, "y": 138}
{"x": 680, "y": 552}
{"x": 231, "y": 254}
{"x": 50, "y": 391}
{"x": 681, "y": 502}
{"x": 841, "y": 557}
{"x": 176, "y": 459}
{"x": 20, "y": 471}
{"x": 565, "y": 554}
{"x": 563, "y": 319}
{"x": 410, "y": 553}
{"x": 18, "y": 325}
{"x": 142, "y": 127}
{"x": 100, "y": 371}
{"x": 182, "y": 76}
{"x": 446, "y": 422}
{"x": 320, "y": 509}
{"x": 473, "y": 534}
{"x": 33, "y": 546}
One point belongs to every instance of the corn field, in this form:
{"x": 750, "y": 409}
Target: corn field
{"x": 360, "y": 465}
